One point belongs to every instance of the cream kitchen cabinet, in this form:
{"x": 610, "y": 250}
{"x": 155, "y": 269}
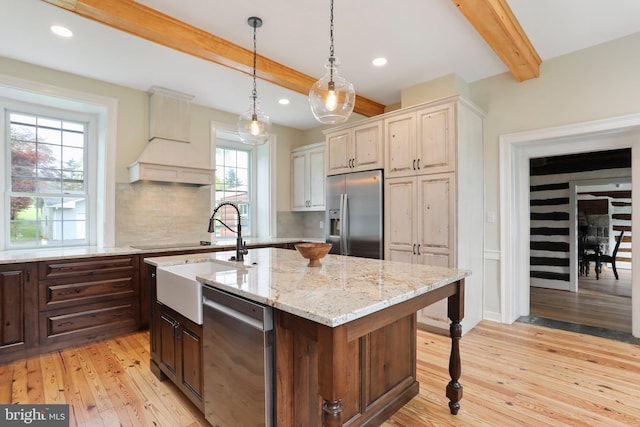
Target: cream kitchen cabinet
{"x": 421, "y": 141}
{"x": 355, "y": 148}
{"x": 420, "y": 217}
{"x": 308, "y": 178}
{"x": 434, "y": 213}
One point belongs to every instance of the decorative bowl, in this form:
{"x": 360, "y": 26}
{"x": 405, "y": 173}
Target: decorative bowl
{"x": 313, "y": 252}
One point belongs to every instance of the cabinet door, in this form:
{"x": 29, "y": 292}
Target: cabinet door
{"x": 191, "y": 365}
{"x": 368, "y": 151}
{"x": 436, "y": 233}
{"x": 401, "y": 145}
{"x": 167, "y": 345}
{"x": 435, "y": 315}
{"x": 436, "y": 197}
{"x": 317, "y": 178}
{"x": 338, "y": 152}
{"x": 18, "y": 308}
{"x": 299, "y": 185}
{"x": 436, "y": 140}
{"x": 400, "y": 206}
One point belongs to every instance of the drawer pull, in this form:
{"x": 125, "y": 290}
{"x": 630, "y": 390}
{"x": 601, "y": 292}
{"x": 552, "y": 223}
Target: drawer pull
{"x": 75, "y": 291}
{"x": 121, "y": 285}
{"x": 122, "y": 313}
{"x": 65, "y": 324}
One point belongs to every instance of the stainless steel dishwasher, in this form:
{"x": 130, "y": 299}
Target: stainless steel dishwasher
{"x": 238, "y": 360}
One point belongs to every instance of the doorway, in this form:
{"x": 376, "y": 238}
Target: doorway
{"x": 515, "y": 152}
{"x": 580, "y": 206}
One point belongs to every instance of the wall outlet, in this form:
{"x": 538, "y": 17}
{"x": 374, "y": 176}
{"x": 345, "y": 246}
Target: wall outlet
{"x": 321, "y": 225}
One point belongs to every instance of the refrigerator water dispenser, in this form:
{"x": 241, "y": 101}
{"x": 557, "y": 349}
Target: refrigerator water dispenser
{"x": 334, "y": 222}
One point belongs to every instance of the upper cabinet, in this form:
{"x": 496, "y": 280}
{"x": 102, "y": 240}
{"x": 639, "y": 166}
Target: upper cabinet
{"x": 356, "y": 148}
{"x": 308, "y": 178}
{"x": 420, "y": 142}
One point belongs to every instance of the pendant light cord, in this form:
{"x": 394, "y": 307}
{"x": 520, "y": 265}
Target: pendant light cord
{"x": 331, "y": 51}
{"x": 254, "y": 92}
{"x": 331, "y": 31}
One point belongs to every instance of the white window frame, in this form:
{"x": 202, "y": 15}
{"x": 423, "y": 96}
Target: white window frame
{"x": 16, "y": 91}
{"x": 265, "y": 171}
{"x": 90, "y": 159}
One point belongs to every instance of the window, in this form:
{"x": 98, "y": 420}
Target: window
{"x": 234, "y": 165}
{"x": 48, "y": 190}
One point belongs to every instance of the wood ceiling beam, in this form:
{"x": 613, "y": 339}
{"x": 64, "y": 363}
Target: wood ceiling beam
{"x": 498, "y": 26}
{"x": 141, "y": 21}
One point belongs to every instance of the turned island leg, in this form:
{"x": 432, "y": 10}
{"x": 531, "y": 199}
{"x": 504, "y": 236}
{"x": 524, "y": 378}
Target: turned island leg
{"x": 456, "y": 313}
{"x": 332, "y": 356}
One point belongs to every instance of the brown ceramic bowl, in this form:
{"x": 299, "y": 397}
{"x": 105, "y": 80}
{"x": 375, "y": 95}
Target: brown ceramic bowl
{"x": 313, "y": 252}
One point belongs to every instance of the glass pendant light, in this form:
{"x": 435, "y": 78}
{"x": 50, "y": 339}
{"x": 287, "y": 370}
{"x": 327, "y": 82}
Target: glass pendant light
{"x": 332, "y": 98}
{"x": 254, "y": 125}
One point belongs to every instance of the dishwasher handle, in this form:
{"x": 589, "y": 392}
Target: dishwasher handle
{"x": 255, "y": 323}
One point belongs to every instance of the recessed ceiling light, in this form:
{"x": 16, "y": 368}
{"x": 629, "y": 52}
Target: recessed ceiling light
{"x": 283, "y": 101}
{"x": 379, "y": 62}
{"x": 61, "y": 31}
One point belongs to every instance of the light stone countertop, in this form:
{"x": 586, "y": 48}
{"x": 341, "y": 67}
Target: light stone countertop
{"x": 341, "y": 290}
{"x": 42, "y": 254}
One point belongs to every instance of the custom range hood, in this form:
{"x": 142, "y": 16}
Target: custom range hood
{"x": 170, "y": 156}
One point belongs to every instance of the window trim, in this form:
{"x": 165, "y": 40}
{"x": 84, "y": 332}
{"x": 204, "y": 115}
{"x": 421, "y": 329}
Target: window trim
{"x": 106, "y": 111}
{"x": 228, "y": 142}
{"x": 265, "y": 175}
{"x": 90, "y": 157}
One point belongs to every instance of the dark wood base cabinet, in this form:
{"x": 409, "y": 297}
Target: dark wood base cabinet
{"x": 380, "y": 367}
{"x": 18, "y": 310}
{"x": 178, "y": 353}
{"x": 175, "y": 346}
{"x": 87, "y": 299}
{"x": 54, "y": 304}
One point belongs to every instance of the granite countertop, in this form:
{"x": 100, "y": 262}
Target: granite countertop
{"x": 341, "y": 290}
{"x": 43, "y": 254}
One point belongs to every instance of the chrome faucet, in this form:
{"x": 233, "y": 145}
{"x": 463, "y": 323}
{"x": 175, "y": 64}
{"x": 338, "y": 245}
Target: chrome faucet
{"x": 241, "y": 249}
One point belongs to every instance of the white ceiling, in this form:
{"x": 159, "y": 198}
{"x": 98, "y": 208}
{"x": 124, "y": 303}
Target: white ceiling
{"x": 422, "y": 39}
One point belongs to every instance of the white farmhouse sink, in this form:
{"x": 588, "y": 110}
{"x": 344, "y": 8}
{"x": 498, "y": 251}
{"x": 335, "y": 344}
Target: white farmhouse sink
{"x": 178, "y": 288}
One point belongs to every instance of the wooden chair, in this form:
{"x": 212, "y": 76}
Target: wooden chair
{"x": 600, "y": 258}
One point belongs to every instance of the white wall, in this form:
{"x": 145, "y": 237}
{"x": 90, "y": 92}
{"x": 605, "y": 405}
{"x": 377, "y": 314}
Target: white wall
{"x": 595, "y": 83}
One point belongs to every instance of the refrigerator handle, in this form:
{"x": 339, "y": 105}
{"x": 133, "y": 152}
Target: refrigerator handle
{"x": 344, "y": 220}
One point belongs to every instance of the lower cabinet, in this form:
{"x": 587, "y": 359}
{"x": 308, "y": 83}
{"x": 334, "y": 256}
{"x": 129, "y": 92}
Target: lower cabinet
{"x": 381, "y": 371}
{"x": 18, "y": 310}
{"x": 86, "y": 299}
{"x": 420, "y": 228}
{"x": 176, "y": 348}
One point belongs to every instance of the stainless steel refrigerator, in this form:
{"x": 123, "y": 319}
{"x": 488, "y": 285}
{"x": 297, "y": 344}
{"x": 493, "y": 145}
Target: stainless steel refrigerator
{"x": 353, "y": 221}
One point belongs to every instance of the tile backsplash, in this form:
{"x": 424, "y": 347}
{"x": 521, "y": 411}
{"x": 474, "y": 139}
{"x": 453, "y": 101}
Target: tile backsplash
{"x": 300, "y": 224}
{"x": 150, "y": 213}
{"x": 161, "y": 213}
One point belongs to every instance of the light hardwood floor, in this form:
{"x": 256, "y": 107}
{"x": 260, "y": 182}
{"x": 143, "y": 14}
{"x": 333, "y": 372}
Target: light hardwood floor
{"x": 604, "y": 303}
{"x": 513, "y": 375}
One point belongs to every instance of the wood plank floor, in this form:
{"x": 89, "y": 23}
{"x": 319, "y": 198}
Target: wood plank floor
{"x": 513, "y": 375}
{"x": 604, "y": 303}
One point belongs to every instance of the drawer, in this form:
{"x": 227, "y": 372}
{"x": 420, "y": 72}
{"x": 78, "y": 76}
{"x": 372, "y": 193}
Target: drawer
{"x": 71, "y": 291}
{"x": 86, "y": 266}
{"x": 94, "y": 321}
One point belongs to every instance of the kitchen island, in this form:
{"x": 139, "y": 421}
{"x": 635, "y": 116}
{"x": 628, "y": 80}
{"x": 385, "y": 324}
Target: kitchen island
{"x": 345, "y": 332}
